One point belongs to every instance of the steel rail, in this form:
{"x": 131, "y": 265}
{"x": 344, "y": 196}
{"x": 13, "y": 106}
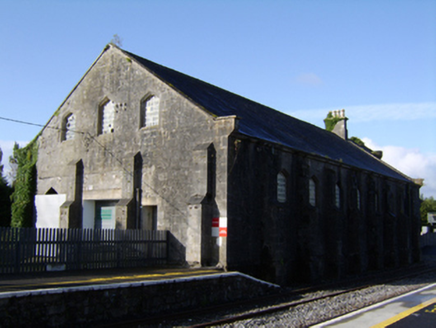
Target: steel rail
{"x": 371, "y": 280}
{"x": 293, "y": 304}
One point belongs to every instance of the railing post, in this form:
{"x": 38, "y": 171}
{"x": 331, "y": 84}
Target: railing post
{"x": 118, "y": 244}
{"x": 78, "y": 242}
{"x": 167, "y": 255}
{"x": 17, "y": 249}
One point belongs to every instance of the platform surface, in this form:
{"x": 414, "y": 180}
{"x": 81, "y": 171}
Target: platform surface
{"x": 416, "y": 309}
{"x": 49, "y": 280}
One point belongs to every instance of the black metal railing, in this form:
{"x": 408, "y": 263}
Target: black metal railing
{"x": 428, "y": 239}
{"x": 44, "y": 249}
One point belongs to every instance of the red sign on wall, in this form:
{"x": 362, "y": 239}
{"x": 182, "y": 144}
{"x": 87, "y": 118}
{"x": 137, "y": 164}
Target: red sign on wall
{"x": 223, "y": 232}
{"x": 215, "y": 227}
{"x": 219, "y": 227}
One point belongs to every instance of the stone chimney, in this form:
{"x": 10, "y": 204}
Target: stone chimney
{"x": 336, "y": 122}
{"x": 419, "y": 182}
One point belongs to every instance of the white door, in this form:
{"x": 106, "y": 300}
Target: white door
{"x": 104, "y": 216}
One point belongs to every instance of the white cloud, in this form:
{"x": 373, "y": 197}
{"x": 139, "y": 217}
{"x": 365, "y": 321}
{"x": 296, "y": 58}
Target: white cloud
{"x": 376, "y": 112}
{"x": 308, "y": 79}
{"x": 412, "y": 162}
{"x": 403, "y": 112}
{"x": 6, "y": 147}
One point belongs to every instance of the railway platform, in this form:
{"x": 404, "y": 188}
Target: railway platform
{"x": 10, "y": 284}
{"x": 414, "y": 309}
{"x": 95, "y": 298}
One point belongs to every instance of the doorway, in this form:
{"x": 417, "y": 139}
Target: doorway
{"x": 149, "y": 218}
{"x": 104, "y": 215}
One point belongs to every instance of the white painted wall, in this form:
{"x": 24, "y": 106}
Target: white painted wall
{"x": 88, "y": 214}
{"x": 48, "y": 210}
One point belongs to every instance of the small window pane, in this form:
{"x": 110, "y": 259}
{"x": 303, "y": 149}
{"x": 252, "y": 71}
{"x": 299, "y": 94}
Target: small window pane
{"x": 337, "y": 196}
{"x": 108, "y": 117}
{"x": 281, "y": 188}
{"x": 70, "y": 127}
{"x": 312, "y": 192}
{"x": 151, "y": 112}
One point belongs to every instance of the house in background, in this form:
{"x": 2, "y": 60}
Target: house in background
{"x": 136, "y": 145}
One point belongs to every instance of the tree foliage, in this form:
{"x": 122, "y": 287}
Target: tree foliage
{"x": 5, "y": 198}
{"x": 358, "y": 141}
{"x": 427, "y": 205}
{"x": 116, "y": 40}
{"x": 24, "y": 185}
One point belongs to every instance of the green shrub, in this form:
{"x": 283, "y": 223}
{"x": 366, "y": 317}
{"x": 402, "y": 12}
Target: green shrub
{"x": 24, "y": 185}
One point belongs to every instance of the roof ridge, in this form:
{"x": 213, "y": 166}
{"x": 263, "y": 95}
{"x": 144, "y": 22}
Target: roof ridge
{"x": 265, "y": 123}
{"x": 141, "y": 59}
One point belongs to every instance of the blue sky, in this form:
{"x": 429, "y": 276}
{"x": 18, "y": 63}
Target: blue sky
{"x": 375, "y": 59}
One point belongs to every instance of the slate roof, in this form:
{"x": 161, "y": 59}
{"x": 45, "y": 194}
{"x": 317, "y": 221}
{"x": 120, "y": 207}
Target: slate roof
{"x": 262, "y": 122}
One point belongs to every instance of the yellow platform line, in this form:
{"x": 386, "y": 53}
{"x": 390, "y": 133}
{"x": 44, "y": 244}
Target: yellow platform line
{"x": 404, "y": 314}
{"x": 109, "y": 279}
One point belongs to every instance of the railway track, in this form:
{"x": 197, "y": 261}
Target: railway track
{"x": 299, "y": 307}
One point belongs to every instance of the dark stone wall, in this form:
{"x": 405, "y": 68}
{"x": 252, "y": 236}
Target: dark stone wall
{"x": 376, "y": 225}
{"x": 94, "y": 306}
{"x": 261, "y": 239}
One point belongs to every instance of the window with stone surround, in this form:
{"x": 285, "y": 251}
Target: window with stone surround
{"x": 150, "y": 112}
{"x": 69, "y": 127}
{"x": 358, "y": 199}
{"x": 281, "y": 187}
{"x": 312, "y": 192}
{"x": 376, "y": 202}
{"x": 337, "y": 196}
{"x": 106, "y": 117}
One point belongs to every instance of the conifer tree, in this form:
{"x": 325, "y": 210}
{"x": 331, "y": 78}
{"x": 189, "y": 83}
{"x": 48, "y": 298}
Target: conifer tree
{"x": 23, "y": 196}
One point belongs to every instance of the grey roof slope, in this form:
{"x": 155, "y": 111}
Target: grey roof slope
{"x": 265, "y": 123}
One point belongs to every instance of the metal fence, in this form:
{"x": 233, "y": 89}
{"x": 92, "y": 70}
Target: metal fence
{"x": 428, "y": 239}
{"x": 47, "y": 249}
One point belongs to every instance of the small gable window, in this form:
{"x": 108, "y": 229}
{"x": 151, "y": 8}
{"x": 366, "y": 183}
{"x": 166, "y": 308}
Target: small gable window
{"x": 106, "y": 117}
{"x": 69, "y": 127}
{"x": 281, "y": 187}
{"x": 312, "y": 192}
{"x": 150, "y": 112}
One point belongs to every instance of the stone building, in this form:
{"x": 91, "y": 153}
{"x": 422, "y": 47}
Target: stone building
{"x": 136, "y": 145}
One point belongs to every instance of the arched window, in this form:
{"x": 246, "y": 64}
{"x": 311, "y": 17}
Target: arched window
{"x": 376, "y": 202}
{"x": 390, "y": 197}
{"x": 358, "y": 199}
{"x": 150, "y": 112}
{"x": 281, "y": 187}
{"x": 337, "y": 196}
{"x": 69, "y": 127}
{"x": 312, "y": 192}
{"x": 106, "y": 117}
